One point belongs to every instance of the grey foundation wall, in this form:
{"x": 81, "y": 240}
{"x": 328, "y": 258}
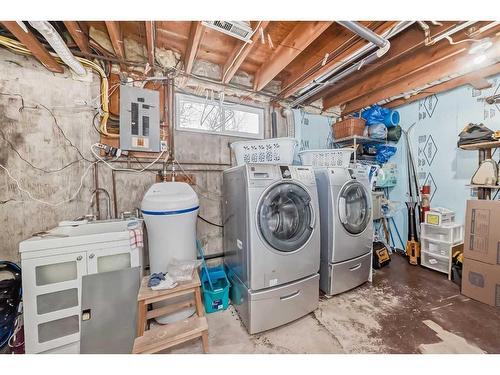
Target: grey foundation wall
{"x": 32, "y": 132}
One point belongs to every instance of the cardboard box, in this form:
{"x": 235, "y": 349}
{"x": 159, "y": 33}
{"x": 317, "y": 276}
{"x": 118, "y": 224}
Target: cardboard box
{"x": 482, "y": 231}
{"x": 481, "y": 281}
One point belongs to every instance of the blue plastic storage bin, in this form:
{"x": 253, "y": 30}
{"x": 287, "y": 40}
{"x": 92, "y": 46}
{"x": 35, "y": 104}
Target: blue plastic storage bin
{"x": 218, "y": 298}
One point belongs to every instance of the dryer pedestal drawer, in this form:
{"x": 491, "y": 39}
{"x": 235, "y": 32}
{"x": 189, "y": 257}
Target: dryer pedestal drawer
{"x": 282, "y": 304}
{"x": 339, "y": 277}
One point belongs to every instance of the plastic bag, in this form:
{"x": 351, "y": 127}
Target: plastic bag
{"x": 384, "y": 153}
{"x": 377, "y": 131}
{"x": 182, "y": 270}
{"x": 379, "y": 115}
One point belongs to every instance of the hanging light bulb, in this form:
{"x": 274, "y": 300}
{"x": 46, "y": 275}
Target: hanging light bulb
{"x": 479, "y": 59}
{"x": 480, "y": 46}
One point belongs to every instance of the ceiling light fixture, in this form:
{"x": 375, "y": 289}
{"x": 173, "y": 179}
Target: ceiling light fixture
{"x": 480, "y": 46}
{"x": 479, "y": 59}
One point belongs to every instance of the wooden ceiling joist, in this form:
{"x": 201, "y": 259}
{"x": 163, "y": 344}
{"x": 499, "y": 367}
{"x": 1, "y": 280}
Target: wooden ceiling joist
{"x": 419, "y": 78}
{"x": 193, "y": 44}
{"x": 239, "y": 54}
{"x": 303, "y": 34}
{"x": 407, "y": 42}
{"x": 312, "y": 67}
{"x": 32, "y": 43}
{"x": 150, "y": 42}
{"x": 115, "y": 35}
{"x": 421, "y": 59}
{"x": 79, "y": 36}
{"x": 473, "y": 78}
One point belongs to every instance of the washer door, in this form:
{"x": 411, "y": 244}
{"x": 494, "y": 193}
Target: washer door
{"x": 354, "y": 207}
{"x": 286, "y": 217}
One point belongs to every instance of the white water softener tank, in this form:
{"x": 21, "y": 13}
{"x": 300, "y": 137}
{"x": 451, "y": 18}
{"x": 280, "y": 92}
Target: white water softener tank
{"x": 170, "y": 210}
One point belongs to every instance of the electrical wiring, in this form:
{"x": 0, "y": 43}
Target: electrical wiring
{"x": 452, "y": 42}
{"x": 210, "y": 222}
{"x": 18, "y": 47}
{"x": 20, "y": 188}
{"x": 97, "y": 156}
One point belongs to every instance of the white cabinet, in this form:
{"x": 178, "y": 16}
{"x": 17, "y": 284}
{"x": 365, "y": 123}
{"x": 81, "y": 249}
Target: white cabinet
{"x": 52, "y": 291}
{"x": 112, "y": 259}
{"x": 52, "y": 297}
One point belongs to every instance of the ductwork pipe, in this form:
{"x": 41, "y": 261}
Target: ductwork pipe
{"x": 59, "y": 46}
{"x": 365, "y": 33}
{"x": 375, "y": 40}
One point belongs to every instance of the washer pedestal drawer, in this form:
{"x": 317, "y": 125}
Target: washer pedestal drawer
{"x": 273, "y": 307}
{"x": 340, "y": 277}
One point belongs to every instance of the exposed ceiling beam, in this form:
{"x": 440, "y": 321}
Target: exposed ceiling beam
{"x": 398, "y": 68}
{"x": 406, "y": 42}
{"x": 115, "y": 35}
{"x": 303, "y": 34}
{"x": 478, "y": 75}
{"x": 150, "y": 42}
{"x": 457, "y": 63}
{"x": 192, "y": 46}
{"x": 32, "y": 43}
{"x": 78, "y": 35}
{"x": 239, "y": 54}
{"x": 339, "y": 46}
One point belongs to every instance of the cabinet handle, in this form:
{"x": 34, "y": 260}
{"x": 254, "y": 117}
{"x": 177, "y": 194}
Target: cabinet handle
{"x": 91, "y": 255}
{"x": 79, "y": 257}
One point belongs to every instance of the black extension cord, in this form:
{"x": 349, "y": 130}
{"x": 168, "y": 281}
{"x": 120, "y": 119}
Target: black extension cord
{"x": 209, "y": 222}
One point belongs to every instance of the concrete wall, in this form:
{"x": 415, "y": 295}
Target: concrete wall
{"x": 33, "y": 134}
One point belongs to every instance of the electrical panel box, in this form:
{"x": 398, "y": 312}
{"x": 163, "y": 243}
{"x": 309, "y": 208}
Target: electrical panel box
{"x": 139, "y": 119}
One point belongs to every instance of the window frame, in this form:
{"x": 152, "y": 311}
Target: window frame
{"x": 260, "y": 111}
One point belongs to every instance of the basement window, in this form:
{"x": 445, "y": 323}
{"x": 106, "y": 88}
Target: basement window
{"x": 204, "y": 115}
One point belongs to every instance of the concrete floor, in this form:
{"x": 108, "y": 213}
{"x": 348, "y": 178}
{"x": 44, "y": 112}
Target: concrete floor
{"x": 407, "y": 309}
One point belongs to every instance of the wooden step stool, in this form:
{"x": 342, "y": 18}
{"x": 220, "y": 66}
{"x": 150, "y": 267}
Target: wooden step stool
{"x": 169, "y": 335}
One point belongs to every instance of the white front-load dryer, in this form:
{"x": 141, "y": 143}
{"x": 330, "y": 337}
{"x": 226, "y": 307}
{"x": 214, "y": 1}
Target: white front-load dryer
{"x": 346, "y": 229}
{"x": 272, "y": 242}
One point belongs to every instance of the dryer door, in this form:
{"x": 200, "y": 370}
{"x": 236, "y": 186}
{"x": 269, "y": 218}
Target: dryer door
{"x": 354, "y": 207}
{"x": 286, "y": 217}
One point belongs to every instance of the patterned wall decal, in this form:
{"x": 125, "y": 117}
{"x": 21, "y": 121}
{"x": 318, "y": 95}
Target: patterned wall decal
{"x": 430, "y": 104}
{"x": 429, "y": 180}
{"x": 430, "y": 150}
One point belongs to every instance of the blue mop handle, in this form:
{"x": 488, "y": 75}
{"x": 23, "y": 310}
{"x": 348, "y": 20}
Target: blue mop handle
{"x": 203, "y": 263}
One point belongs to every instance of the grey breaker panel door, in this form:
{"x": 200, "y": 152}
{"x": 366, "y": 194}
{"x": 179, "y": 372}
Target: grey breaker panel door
{"x": 285, "y": 217}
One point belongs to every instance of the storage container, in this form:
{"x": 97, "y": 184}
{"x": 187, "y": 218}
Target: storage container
{"x": 267, "y": 151}
{"x": 435, "y": 262}
{"x": 452, "y": 234}
{"x": 439, "y": 216}
{"x": 215, "y": 299}
{"x": 436, "y": 247}
{"x": 349, "y": 127}
{"x": 339, "y": 157}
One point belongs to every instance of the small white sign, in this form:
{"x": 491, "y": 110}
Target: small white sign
{"x": 273, "y": 282}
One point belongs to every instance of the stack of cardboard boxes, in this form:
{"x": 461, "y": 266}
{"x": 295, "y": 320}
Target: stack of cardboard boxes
{"x": 481, "y": 272}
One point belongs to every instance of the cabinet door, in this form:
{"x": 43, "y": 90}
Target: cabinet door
{"x": 112, "y": 259}
{"x": 52, "y": 300}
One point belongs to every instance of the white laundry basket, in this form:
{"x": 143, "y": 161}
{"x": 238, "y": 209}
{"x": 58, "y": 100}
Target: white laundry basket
{"x": 170, "y": 210}
{"x": 338, "y": 157}
{"x": 265, "y": 151}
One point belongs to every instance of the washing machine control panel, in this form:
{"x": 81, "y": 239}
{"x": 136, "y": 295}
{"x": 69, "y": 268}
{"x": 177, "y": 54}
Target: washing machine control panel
{"x": 261, "y": 174}
{"x": 302, "y": 173}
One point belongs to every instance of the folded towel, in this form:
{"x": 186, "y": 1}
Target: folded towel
{"x": 136, "y": 238}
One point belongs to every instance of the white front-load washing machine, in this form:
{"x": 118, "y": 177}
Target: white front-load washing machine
{"x": 271, "y": 242}
{"x": 346, "y": 229}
